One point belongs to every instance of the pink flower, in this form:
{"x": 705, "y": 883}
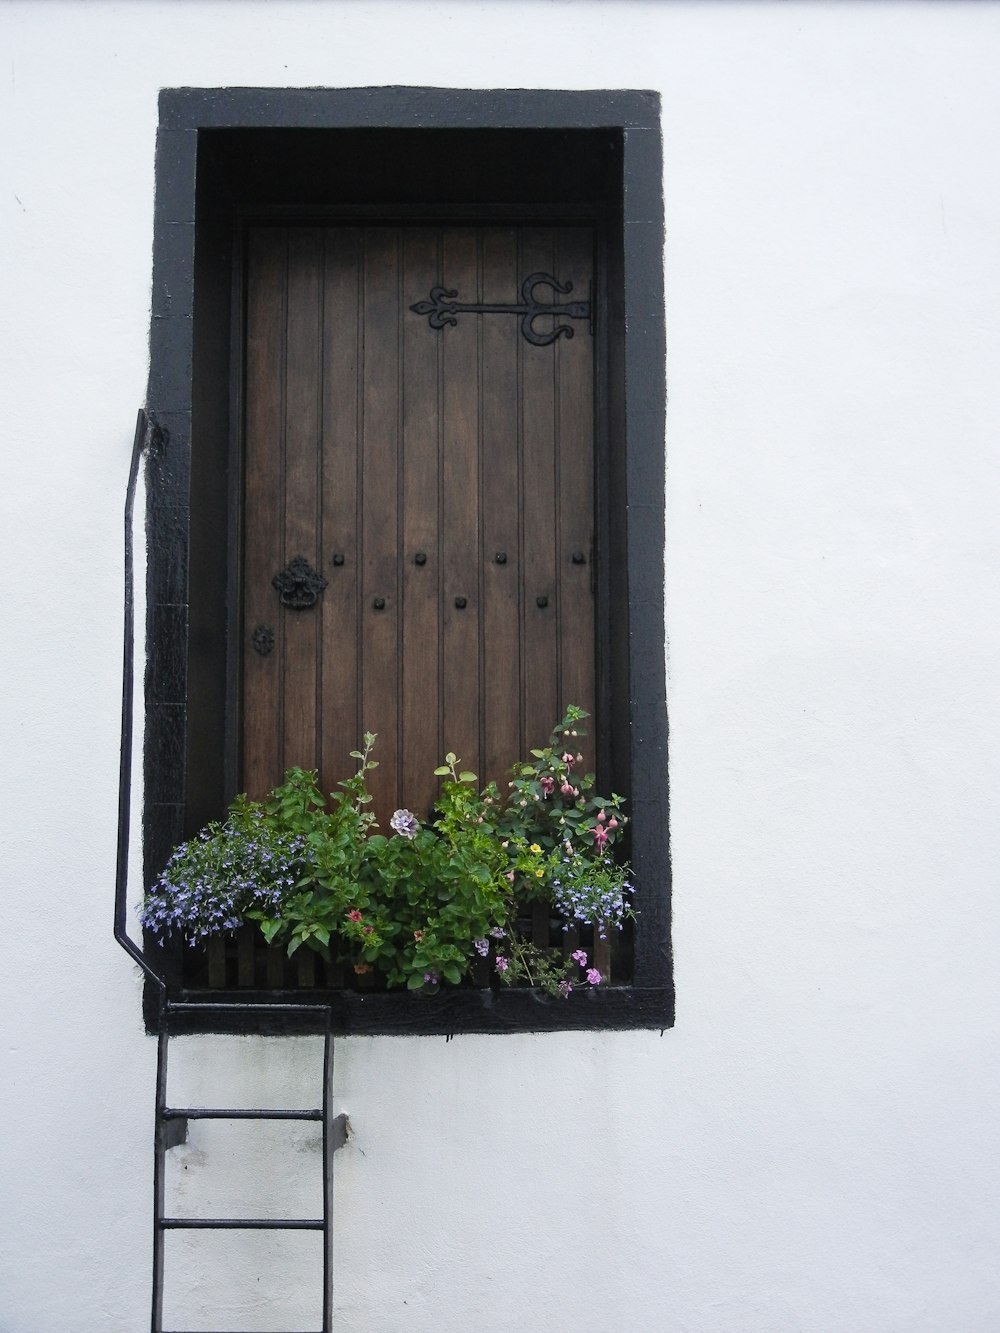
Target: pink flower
{"x": 601, "y": 816}
{"x": 568, "y": 759}
{"x": 593, "y": 977}
{"x": 354, "y": 914}
{"x": 510, "y": 876}
{"x": 600, "y": 838}
{"x": 567, "y": 789}
{"x": 548, "y": 786}
{"x": 501, "y": 963}
{"x": 579, "y": 956}
{"x": 612, "y": 822}
{"x": 565, "y": 989}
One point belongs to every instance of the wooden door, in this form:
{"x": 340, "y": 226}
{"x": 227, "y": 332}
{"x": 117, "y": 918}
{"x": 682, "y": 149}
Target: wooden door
{"x": 438, "y": 486}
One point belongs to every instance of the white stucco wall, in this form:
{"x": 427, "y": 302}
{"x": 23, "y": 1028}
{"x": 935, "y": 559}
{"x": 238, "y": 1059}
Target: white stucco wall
{"x": 814, "y": 1148}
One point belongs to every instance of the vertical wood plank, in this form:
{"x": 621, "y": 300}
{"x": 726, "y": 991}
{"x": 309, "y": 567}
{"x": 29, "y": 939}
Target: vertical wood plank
{"x": 575, "y": 492}
{"x": 602, "y": 957}
{"x": 216, "y": 950}
{"x": 276, "y": 967}
{"x": 263, "y": 456}
{"x": 379, "y": 681}
{"x": 302, "y": 432}
{"x": 500, "y": 547}
{"x": 459, "y": 505}
{"x": 538, "y": 513}
{"x": 341, "y": 725}
{"x": 305, "y": 968}
{"x": 246, "y": 954}
{"x": 420, "y": 563}
{"x": 540, "y": 919}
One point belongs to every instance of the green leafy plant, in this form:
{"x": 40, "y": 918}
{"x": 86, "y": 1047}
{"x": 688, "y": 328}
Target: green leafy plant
{"x": 424, "y": 903}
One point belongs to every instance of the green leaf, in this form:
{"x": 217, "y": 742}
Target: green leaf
{"x": 414, "y": 981}
{"x": 467, "y": 777}
{"x": 442, "y": 771}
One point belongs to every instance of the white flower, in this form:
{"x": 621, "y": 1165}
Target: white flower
{"x": 405, "y": 823}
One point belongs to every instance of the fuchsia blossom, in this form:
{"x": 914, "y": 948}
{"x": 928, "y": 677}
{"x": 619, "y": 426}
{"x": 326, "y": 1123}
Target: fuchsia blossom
{"x": 568, "y": 789}
{"x": 568, "y": 759}
{"x": 548, "y": 786}
{"x": 600, "y": 838}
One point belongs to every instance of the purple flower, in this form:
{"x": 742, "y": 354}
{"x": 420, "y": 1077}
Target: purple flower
{"x": 580, "y": 956}
{"x": 593, "y": 976}
{"x": 565, "y": 989}
{"x": 502, "y": 963}
{"x": 406, "y": 824}
{"x": 482, "y": 947}
{"x": 431, "y": 977}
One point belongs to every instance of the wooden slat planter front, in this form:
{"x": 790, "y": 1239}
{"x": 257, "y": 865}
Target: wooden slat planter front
{"x": 245, "y": 961}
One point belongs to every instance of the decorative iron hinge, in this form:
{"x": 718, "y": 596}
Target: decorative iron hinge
{"x": 442, "y": 308}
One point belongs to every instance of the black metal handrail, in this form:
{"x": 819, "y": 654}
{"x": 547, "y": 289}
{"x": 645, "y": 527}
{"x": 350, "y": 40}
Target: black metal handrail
{"x": 142, "y": 427}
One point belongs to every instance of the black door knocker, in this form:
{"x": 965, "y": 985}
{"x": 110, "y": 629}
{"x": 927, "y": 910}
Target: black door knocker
{"x": 299, "y": 585}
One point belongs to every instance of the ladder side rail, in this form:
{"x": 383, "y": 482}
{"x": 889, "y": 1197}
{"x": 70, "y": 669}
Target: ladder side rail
{"x": 159, "y": 1166}
{"x": 327, "y": 1178}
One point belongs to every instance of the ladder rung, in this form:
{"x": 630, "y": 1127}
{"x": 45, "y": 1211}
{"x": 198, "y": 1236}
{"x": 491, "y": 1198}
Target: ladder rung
{"x": 236, "y": 1113}
{"x": 242, "y": 1223}
{"x": 225, "y": 1006}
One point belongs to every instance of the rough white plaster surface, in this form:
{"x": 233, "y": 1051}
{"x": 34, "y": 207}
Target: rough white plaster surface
{"x": 814, "y": 1148}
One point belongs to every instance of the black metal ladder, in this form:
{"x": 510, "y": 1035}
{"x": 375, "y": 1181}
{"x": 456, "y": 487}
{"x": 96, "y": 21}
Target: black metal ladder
{"x": 171, "y": 1129}
{"x": 171, "y": 1121}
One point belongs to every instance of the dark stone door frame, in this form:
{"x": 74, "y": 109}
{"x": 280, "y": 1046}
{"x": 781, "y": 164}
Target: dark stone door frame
{"x": 172, "y": 503}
